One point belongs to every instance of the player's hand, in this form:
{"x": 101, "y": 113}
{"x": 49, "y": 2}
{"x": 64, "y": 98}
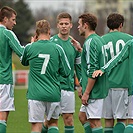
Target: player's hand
{"x": 84, "y": 99}
{"x": 34, "y": 38}
{"x": 79, "y": 92}
{"x": 76, "y": 44}
{"x": 96, "y": 73}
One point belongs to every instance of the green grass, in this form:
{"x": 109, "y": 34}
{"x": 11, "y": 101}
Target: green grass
{"x": 18, "y": 120}
{"x": 17, "y": 63}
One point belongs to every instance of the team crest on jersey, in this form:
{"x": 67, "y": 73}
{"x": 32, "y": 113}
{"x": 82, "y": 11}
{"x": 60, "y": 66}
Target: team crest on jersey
{"x": 55, "y": 39}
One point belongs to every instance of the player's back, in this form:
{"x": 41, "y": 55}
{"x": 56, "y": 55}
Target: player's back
{"x": 46, "y": 64}
{"x": 115, "y": 41}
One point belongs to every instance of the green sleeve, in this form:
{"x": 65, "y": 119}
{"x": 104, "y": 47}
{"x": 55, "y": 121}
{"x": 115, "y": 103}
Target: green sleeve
{"x": 64, "y": 68}
{"x": 94, "y": 59}
{"x": 119, "y": 58}
{"x": 78, "y": 65}
{"x": 25, "y": 59}
{"x": 14, "y": 42}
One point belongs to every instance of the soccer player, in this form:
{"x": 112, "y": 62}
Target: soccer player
{"x": 47, "y": 62}
{"x": 64, "y": 25}
{"x": 93, "y": 91}
{"x": 119, "y": 59}
{"x": 8, "y": 43}
{"x": 117, "y": 97}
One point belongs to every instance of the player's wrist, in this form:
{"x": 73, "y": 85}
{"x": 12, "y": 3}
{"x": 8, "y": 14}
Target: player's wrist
{"x": 103, "y": 70}
{"x": 86, "y": 93}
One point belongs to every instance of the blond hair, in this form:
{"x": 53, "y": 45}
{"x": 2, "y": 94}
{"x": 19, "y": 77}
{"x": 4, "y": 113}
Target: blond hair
{"x": 42, "y": 27}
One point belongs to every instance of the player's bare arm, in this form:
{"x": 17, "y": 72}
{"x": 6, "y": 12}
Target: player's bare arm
{"x": 76, "y": 44}
{"x": 80, "y": 92}
{"x": 97, "y": 73}
{"x": 89, "y": 87}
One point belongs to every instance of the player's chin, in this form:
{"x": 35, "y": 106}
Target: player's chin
{"x": 81, "y": 33}
{"x": 9, "y": 28}
{"x": 64, "y": 33}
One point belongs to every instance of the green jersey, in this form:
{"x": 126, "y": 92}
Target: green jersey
{"x": 114, "y": 42}
{"x": 47, "y": 62}
{"x": 8, "y": 44}
{"x": 119, "y": 59}
{"x": 74, "y": 58}
{"x": 91, "y": 60}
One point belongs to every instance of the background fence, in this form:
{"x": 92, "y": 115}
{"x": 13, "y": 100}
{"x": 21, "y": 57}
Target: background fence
{"x": 20, "y": 78}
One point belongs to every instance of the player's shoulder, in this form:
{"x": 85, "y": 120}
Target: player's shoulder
{"x": 58, "y": 46}
{"x": 130, "y": 42}
{"x": 54, "y": 38}
{"x": 96, "y": 39}
{"x": 126, "y": 34}
{"x": 28, "y": 46}
{"x": 110, "y": 35}
{"x": 9, "y": 32}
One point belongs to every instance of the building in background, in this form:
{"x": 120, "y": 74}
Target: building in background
{"x": 102, "y": 8}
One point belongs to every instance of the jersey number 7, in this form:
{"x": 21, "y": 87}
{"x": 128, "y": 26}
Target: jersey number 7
{"x": 45, "y": 63}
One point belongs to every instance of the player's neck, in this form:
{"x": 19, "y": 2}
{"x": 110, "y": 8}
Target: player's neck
{"x": 2, "y": 24}
{"x": 63, "y": 37}
{"x": 89, "y": 33}
{"x": 115, "y": 30}
{"x": 43, "y": 37}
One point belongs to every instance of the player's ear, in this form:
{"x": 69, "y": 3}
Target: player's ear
{"x": 121, "y": 25}
{"x": 5, "y": 19}
{"x": 57, "y": 26}
{"x": 85, "y": 26}
{"x": 71, "y": 25}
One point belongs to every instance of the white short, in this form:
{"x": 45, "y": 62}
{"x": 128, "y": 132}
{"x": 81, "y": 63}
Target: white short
{"x": 67, "y": 101}
{"x": 93, "y": 109}
{"x": 38, "y": 109}
{"x": 130, "y": 107}
{"x": 82, "y": 108}
{"x": 116, "y": 104}
{"x": 6, "y": 97}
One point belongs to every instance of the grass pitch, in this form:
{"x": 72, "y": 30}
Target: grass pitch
{"x": 18, "y": 120}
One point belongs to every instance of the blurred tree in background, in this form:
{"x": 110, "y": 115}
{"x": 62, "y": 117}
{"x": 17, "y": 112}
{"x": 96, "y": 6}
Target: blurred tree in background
{"x": 7, "y": 3}
{"x": 25, "y": 19}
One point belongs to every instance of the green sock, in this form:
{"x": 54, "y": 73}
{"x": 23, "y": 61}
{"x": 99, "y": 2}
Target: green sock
{"x": 2, "y": 126}
{"x": 35, "y": 132}
{"x": 119, "y": 128}
{"x": 129, "y": 129}
{"x": 108, "y": 130}
{"x": 53, "y": 129}
{"x": 69, "y": 129}
{"x": 87, "y": 127}
{"x": 97, "y": 130}
{"x": 44, "y": 129}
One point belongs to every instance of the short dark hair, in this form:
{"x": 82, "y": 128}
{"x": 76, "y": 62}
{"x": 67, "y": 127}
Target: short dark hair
{"x": 114, "y": 20}
{"x": 89, "y": 19}
{"x": 64, "y": 15}
{"x": 6, "y": 12}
